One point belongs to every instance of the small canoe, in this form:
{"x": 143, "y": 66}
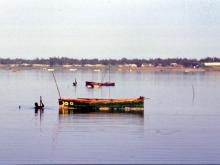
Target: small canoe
{"x": 92, "y": 84}
{"x": 135, "y": 105}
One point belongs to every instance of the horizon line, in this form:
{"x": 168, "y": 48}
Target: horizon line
{"x": 41, "y": 58}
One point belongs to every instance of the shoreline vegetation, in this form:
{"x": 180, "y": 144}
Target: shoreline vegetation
{"x": 208, "y": 64}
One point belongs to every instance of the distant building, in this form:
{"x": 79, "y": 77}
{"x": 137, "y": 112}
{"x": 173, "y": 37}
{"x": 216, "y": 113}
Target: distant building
{"x": 94, "y": 65}
{"x": 130, "y": 65}
{"x": 25, "y": 64}
{"x": 40, "y": 65}
{"x": 99, "y": 65}
{"x": 67, "y": 66}
{"x": 173, "y": 64}
{"x": 147, "y": 65}
{"x": 89, "y": 65}
{"x": 77, "y": 65}
{"x": 212, "y": 64}
{"x": 133, "y": 65}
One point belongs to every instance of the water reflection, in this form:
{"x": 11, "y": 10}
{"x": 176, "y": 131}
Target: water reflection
{"x": 40, "y": 112}
{"x": 100, "y": 117}
{"x": 99, "y": 123}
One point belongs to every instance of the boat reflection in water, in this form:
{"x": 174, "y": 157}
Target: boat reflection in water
{"x": 101, "y": 119}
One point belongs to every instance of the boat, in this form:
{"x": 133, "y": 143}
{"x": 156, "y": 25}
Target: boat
{"x": 133, "y": 105}
{"x": 50, "y": 70}
{"x": 72, "y": 70}
{"x": 92, "y": 84}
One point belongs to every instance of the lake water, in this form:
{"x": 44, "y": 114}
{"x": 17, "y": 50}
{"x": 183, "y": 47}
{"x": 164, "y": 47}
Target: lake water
{"x": 178, "y": 126}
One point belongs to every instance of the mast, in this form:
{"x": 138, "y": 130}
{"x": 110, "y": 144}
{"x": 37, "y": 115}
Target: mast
{"x": 108, "y": 72}
{"x": 56, "y": 85}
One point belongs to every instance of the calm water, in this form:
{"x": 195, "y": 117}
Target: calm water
{"x": 177, "y": 127}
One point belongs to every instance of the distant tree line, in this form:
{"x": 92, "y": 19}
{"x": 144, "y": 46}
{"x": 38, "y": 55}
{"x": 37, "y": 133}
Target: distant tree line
{"x": 65, "y": 61}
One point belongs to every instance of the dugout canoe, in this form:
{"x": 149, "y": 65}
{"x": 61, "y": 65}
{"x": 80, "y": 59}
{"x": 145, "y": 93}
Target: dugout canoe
{"x": 92, "y": 84}
{"x": 133, "y": 105}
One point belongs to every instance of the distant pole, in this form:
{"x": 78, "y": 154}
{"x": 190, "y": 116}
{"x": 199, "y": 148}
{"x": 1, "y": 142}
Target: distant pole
{"x": 56, "y": 85}
{"x": 40, "y": 101}
{"x": 193, "y": 90}
{"x": 109, "y": 72}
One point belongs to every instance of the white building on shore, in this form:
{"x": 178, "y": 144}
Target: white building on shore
{"x": 212, "y": 64}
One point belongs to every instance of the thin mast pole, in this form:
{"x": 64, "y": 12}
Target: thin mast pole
{"x": 109, "y": 72}
{"x": 40, "y": 101}
{"x": 56, "y": 85}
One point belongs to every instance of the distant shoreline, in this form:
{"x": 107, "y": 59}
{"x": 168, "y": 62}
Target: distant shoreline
{"x": 115, "y": 68}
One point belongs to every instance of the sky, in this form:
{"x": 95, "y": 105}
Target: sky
{"x": 109, "y": 28}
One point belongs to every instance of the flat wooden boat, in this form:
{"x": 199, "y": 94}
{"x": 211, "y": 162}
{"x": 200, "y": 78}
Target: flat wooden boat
{"x": 92, "y": 84}
{"x": 135, "y": 105}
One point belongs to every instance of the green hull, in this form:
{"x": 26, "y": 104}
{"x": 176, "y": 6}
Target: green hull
{"x": 135, "y": 105}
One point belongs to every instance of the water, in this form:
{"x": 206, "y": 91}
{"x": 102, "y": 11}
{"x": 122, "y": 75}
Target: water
{"x": 177, "y": 127}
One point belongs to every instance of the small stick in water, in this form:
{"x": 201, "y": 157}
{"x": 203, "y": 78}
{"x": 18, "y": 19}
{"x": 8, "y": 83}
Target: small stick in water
{"x": 193, "y": 90}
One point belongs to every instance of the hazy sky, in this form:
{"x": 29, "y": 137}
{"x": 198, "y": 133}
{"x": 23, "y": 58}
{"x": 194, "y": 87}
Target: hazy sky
{"x": 109, "y": 28}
